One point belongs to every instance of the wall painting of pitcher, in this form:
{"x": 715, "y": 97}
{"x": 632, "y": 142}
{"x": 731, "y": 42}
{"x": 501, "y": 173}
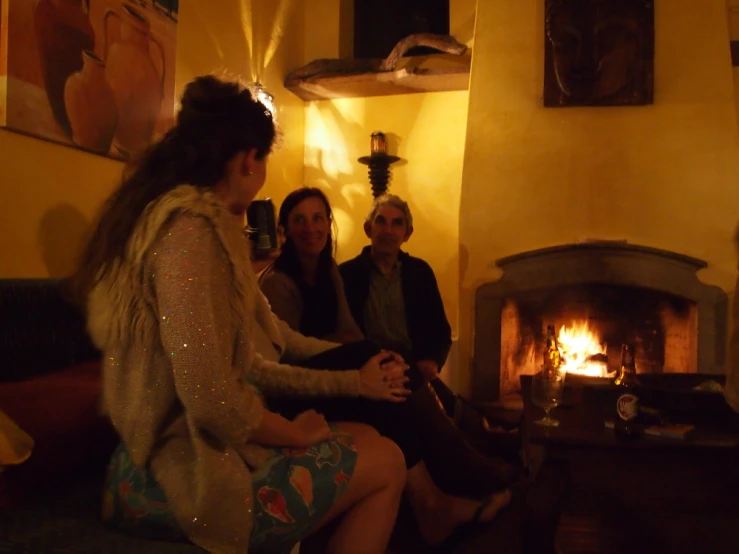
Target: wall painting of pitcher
{"x": 93, "y": 74}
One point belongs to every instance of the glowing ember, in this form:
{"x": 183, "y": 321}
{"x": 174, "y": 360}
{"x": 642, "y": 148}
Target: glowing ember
{"x": 582, "y": 351}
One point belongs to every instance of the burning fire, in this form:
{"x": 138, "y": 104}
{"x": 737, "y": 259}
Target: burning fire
{"x": 582, "y": 351}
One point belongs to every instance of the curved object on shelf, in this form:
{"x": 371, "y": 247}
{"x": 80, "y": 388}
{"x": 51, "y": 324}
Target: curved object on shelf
{"x": 350, "y": 78}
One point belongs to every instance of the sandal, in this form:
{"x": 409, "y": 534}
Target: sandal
{"x": 485, "y": 503}
{"x": 462, "y": 531}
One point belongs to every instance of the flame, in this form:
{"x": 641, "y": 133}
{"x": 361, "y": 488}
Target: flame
{"x": 578, "y": 344}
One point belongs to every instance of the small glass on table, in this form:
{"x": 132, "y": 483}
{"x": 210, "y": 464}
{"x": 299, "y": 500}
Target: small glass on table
{"x": 546, "y": 393}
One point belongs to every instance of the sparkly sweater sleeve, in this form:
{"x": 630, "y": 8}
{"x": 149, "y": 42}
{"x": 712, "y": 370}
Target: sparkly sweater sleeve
{"x": 277, "y": 378}
{"x": 191, "y": 277}
{"x": 285, "y": 378}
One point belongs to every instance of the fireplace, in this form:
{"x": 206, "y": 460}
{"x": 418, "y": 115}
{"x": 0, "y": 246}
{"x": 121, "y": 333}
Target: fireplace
{"x": 598, "y": 295}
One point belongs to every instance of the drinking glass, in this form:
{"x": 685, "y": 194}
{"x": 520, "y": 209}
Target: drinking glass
{"x": 546, "y": 393}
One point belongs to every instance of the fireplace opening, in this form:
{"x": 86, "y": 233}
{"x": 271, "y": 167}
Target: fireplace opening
{"x": 598, "y": 295}
{"x": 592, "y": 321}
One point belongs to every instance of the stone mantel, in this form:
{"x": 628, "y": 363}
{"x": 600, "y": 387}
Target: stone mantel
{"x": 610, "y": 263}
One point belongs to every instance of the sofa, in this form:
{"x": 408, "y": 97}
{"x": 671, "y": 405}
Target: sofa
{"x": 50, "y": 387}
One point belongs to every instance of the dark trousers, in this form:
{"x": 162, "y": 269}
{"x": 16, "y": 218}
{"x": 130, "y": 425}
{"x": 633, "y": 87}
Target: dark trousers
{"x": 391, "y": 420}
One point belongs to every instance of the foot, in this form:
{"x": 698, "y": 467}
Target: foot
{"x": 438, "y": 520}
{"x": 476, "y": 475}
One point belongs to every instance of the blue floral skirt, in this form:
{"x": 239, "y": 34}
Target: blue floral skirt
{"x": 293, "y": 492}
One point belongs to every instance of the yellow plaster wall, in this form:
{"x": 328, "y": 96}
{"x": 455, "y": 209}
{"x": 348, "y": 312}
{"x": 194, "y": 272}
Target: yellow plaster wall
{"x": 426, "y": 130}
{"x": 665, "y": 175}
{"x": 733, "y": 17}
{"x": 49, "y": 193}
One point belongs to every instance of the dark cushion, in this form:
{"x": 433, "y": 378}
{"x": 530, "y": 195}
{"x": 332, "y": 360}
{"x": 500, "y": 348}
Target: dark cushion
{"x": 61, "y": 412}
{"x": 66, "y": 519}
{"x": 40, "y": 329}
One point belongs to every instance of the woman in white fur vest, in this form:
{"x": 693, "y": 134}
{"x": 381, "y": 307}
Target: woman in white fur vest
{"x": 174, "y": 306}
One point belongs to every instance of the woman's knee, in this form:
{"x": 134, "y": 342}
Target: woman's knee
{"x": 395, "y": 456}
{"x": 391, "y": 460}
{"x": 357, "y": 430}
{"x": 379, "y": 455}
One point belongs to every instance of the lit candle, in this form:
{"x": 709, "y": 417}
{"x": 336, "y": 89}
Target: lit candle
{"x": 377, "y": 143}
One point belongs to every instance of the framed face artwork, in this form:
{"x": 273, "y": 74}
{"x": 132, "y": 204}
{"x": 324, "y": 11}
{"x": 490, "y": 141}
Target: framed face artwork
{"x": 598, "y": 53}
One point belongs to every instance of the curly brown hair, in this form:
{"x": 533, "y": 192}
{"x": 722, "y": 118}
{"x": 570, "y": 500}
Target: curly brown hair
{"x": 218, "y": 119}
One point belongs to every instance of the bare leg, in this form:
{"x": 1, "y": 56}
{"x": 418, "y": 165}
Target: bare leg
{"x": 370, "y": 503}
{"x": 437, "y": 513}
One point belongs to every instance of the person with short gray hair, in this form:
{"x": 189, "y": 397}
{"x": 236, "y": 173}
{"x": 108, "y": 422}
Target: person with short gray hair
{"x": 396, "y": 202}
{"x": 395, "y": 300}
{"x": 394, "y": 297}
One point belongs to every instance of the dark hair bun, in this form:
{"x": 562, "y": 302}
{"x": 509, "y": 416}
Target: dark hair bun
{"x": 219, "y": 117}
{"x": 208, "y": 97}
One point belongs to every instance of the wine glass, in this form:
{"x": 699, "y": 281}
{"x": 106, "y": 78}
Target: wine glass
{"x": 546, "y": 393}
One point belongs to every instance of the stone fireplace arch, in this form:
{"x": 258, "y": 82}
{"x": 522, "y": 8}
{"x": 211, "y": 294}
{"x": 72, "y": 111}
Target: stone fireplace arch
{"x": 599, "y": 263}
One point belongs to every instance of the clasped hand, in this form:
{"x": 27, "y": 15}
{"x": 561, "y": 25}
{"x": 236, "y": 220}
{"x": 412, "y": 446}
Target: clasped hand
{"x": 382, "y": 377}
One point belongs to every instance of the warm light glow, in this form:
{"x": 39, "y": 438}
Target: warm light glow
{"x": 265, "y": 98}
{"x": 260, "y": 48}
{"x": 337, "y": 133}
{"x": 284, "y": 8}
{"x": 215, "y": 40}
{"x": 325, "y": 147}
{"x": 247, "y": 23}
{"x": 578, "y": 344}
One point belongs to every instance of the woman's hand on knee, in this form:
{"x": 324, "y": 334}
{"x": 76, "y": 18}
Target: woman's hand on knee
{"x": 312, "y": 428}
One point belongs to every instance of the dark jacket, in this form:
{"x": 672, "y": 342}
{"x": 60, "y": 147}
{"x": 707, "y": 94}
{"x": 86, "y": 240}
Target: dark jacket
{"x": 428, "y": 327}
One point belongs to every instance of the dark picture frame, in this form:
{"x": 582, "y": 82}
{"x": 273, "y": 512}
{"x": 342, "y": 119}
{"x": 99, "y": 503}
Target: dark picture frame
{"x": 598, "y": 53}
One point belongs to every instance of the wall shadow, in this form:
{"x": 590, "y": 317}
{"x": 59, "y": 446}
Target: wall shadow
{"x": 62, "y": 232}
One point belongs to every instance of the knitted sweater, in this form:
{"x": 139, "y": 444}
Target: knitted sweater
{"x": 186, "y": 333}
{"x": 284, "y": 296}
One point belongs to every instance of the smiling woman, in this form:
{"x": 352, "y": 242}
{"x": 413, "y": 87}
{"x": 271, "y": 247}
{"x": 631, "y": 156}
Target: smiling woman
{"x": 303, "y": 286}
{"x": 306, "y": 290}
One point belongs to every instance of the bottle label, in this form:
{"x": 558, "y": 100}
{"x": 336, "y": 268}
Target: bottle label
{"x": 627, "y": 406}
{"x": 264, "y": 242}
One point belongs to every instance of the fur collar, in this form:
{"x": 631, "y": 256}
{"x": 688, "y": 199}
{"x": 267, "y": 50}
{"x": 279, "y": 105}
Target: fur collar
{"x": 117, "y": 310}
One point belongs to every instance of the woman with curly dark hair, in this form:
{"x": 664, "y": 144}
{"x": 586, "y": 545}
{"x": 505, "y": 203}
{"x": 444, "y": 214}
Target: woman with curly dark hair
{"x": 189, "y": 344}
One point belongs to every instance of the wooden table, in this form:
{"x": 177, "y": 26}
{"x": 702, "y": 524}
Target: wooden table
{"x": 650, "y": 495}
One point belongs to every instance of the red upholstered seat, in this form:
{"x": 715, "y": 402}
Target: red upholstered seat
{"x": 61, "y": 412}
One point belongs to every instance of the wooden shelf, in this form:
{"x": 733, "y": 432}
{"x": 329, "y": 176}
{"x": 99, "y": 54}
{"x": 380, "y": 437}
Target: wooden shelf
{"x": 406, "y": 80}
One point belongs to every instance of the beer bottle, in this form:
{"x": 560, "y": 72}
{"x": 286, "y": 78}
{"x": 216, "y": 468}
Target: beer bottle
{"x": 552, "y": 355}
{"x": 626, "y": 375}
{"x": 626, "y": 422}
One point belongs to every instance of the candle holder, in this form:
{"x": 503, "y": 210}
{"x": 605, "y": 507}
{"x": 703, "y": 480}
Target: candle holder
{"x": 379, "y": 164}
